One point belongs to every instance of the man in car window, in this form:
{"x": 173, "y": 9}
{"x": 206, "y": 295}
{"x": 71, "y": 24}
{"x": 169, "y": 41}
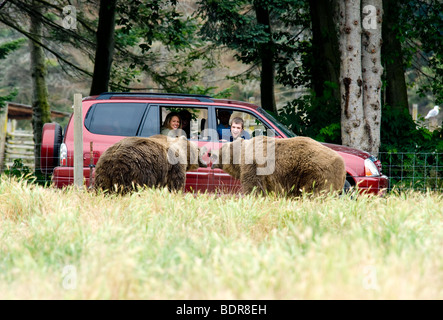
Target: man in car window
{"x": 237, "y": 129}
{"x": 186, "y": 118}
{"x": 223, "y": 127}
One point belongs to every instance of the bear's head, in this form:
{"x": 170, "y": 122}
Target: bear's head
{"x": 229, "y": 158}
{"x": 194, "y": 160}
{"x": 185, "y": 152}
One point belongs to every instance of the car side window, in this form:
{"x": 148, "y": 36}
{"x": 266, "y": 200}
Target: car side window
{"x": 255, "y": 127}
{"x": 150, "y": 125}
{"x": 115, "y": 119}
{"x": 199, "y": 126}
{"x": 193, "y": 121}
{"x": 252, "y": 125}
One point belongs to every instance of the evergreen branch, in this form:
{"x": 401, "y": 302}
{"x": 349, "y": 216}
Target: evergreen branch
{"x": 69, "y": 34}
{"x": 79, "y": 19}
{"x": 418, "y": 68}
{"x": 32, "y": 38}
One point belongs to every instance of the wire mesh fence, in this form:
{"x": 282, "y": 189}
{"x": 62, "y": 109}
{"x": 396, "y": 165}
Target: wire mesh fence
{"x": 417, "y": 171}
{"x": 406, "y": 171}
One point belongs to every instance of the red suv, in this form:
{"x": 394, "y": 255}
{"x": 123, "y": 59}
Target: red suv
{"x": 110, "y": 117}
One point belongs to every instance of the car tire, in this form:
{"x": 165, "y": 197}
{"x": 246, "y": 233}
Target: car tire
{"x": 51, "y": 140}
{"x": 347, "y": 187}
{"x": 58, "y": 139}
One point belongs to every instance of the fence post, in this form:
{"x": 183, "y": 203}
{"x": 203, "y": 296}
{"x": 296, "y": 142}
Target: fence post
{"x": 414, "y": 112}
{"x": 78, "y": 141}
{"x": 433, "y": 124}
{"x": 3, "y": 126}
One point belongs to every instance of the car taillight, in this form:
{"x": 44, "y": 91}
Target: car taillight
{"x": 63, "y": 155}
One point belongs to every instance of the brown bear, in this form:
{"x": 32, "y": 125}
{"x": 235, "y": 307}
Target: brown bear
{"x": 157, "y": 161}
{"x": 283, "y": 166}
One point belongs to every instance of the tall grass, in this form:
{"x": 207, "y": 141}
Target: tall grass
{"x": 71, "y": 244}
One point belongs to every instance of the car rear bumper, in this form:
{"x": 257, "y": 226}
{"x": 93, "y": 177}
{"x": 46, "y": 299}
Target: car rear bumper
{"x": 64, "y": 176}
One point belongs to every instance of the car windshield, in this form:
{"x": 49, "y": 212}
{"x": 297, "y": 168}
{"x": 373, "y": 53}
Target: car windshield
{"x": 277, "y": 123}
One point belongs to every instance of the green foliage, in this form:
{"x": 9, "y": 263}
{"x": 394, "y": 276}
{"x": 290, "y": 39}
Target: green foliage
{"x": 412, "y": 156}
{"x": 8, "y": 47}
{"x": 420, "y": 29}
{"x": 400, "y": 133}
{"x": 293, "y": 64}
{"x": 234, "y": 24}
{"x": 18, "y": 170}
{"x": 315, "y": 117}
{"x": 5, "y": 49}
{"x": 154, "y": 20}
{"x": 143, "y": 27}
{"x": 4, "y": 99}
{"x": 22, "y": 172}
{"x": 154, "y": 40}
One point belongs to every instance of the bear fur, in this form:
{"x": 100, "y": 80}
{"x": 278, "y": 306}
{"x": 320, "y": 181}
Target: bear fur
{"x": 157, "y": 161}
{"x": 283, "y": 166}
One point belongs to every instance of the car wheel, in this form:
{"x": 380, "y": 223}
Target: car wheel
{"x": 51, "y": 140}
{"x": 58, "y": 139}
{"x": 347, "y": 187}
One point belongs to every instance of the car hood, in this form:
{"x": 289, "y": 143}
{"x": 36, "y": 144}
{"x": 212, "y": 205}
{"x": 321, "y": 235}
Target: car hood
{"x": 356, "y": 152}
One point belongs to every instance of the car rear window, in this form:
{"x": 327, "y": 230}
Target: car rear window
{"x": 116, "y": 119}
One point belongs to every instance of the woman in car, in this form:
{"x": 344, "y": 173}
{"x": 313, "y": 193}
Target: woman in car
{"x": 172, "y": 126}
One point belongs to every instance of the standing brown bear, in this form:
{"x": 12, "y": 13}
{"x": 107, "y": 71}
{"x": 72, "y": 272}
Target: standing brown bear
{"x": 157, "y": 161}
{"x": 284, "y": 166}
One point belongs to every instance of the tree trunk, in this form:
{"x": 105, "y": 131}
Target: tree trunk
{"x": 351, "y": 83}
{"x": 372, "y": 71}
{"x": 105, "y": 47}
{"x": 396, "y": 94}
{"x": 267, "y": 73}
{"x": 325, "y": 47}
{"x": 40, "y": 105}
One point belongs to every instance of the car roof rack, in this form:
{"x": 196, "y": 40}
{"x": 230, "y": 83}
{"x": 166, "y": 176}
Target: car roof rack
{"x": 108, "y": 95}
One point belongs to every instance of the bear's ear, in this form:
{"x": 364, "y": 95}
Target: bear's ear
{"x": 214, "y": 157}
{"x": 200, "y": 153}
